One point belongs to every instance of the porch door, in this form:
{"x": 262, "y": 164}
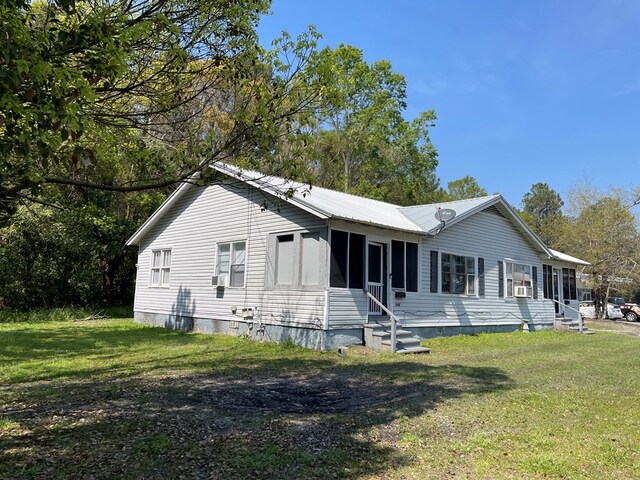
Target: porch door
{"x": 557, "y": 293}
{"x": 375, "y": 278}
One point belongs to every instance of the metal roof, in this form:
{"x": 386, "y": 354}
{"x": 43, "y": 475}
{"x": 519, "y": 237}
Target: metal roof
{"x": 425, "y": 215}
{"x": 325, "y": 203}
{"x": 567, "y": 258}
{"x": 328, "y": 203}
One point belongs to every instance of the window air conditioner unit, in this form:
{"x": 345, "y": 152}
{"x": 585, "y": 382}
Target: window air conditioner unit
{"x": 521, "y": 291}
{"x": 220, "y": 281}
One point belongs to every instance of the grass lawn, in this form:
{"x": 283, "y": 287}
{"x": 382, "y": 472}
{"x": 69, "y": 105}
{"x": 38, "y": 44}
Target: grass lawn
{"x": 110, "y": 399}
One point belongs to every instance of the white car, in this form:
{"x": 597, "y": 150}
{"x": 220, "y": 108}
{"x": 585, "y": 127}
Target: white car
{"x": 588, "y": 310}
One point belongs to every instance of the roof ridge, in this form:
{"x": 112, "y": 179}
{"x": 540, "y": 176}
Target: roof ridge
{"x": 495, "y": 195}
{"x": 240, "y": 172}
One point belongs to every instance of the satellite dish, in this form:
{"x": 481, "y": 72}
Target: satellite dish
{"x": 445, "y": 214}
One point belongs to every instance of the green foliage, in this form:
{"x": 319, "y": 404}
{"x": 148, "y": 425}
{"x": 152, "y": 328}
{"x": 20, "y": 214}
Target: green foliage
{"x": 361, "y": 143}
{"x": 542, "y": 210}
{"x": 463, "y": 188}
{"x": 474, "y": 408}
{"x": 50, "y": 257}
{"x": 602, "y": 230}
{"x": 186, "y": 83}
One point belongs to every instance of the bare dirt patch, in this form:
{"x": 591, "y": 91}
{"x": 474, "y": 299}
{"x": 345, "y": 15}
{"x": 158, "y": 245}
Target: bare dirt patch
{"x": 614, "y": 326}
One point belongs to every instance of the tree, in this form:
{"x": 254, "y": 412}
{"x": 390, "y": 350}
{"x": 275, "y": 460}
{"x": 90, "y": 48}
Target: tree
{"x": 361, "y": 142}
{"x": 542, "y": 210}
{"x": 601, "y": 230}
{"x": 187, "y": 77}
{"x": 463, "y": 188}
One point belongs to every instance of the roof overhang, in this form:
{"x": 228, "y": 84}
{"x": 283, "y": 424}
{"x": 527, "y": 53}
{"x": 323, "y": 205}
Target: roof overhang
{"x": 501, "y": 204}
{"x": 163, "y": 208}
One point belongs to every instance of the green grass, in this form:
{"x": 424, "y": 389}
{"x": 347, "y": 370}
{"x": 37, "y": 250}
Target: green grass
{"x": 114, "y": 399}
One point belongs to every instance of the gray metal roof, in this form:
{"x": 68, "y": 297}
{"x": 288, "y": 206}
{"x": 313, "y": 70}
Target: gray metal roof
{"x": 326, "y": 203}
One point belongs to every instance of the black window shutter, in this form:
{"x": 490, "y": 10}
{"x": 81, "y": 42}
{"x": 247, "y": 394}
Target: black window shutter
{"x": 534, "y": 283}
{"x": 480, "y": 276}
{"x": 500, "y": 279}
{"x": 434, "y": 272}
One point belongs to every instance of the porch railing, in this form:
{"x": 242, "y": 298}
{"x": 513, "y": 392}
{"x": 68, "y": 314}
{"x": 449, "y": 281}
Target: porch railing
{"x": 564, "y": 305}
{"x": 375, "y": 292}
{"x": 392, "y": 317}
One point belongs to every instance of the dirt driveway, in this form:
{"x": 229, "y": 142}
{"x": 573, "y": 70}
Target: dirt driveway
{"x": 614, "y": 326}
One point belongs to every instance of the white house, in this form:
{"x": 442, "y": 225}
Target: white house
{"x": 258, "y": 255}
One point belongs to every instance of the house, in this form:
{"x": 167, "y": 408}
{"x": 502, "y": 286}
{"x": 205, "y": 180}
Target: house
{"x": 273, "y": 259}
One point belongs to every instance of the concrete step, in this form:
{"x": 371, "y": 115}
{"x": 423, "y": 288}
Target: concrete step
{"x": 585, "y": 330}
{"x": 405, "y": 351}
{"x": 378, "y": 337}
{"x": 387, "y": 333}
{"x": 401, "y": 344}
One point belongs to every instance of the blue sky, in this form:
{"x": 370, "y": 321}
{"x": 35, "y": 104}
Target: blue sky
{"x": 525, "y": 92}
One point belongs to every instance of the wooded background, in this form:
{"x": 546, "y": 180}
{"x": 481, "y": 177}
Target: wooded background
{"x": 107, "y": 106}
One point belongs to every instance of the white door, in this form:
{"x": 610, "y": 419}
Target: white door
{"x": 375, "y": 277}
{"x": 557, "y": 291}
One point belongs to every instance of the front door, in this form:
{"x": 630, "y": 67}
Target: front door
{"x": 375, "y": 278}
{"x": 557, "y": 294}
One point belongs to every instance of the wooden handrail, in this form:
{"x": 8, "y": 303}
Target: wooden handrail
{"x": 392, "y": 317}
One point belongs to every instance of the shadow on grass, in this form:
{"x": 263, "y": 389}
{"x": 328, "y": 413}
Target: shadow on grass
{"x": 247, "y": 411}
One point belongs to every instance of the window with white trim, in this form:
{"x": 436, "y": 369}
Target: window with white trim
{"x": 458, "y": 274}
{"x": 231, "y": 262}
{"x": 517, "y": 274}
{"x": 297, "y": 259}
{"x": 160, "y": 267}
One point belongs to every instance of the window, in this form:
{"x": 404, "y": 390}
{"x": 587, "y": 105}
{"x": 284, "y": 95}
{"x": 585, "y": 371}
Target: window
{"x": 284, "y": 260}
{"x": 160, "y": 268}
{"x": 347, "y": 259}
{"x": 297, "y": 259}
{"x": 404, "y": 265}
{"x": 310, "y": 259}
{"x": 517, "y": 274}
{"x": 569, "y": 291}
{"x": 231, "y": 262}
{"x": 458, "y": 274}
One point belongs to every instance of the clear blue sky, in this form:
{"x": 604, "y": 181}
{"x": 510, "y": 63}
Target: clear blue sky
{"x": 525, "y": 91}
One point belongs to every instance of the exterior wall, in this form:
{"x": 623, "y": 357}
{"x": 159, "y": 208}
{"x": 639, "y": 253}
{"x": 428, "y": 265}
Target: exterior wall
{"x": 199, "y": 220}
{"x": 348, "y": 307}
{"x": 485, "y": 234}
{"x": 570, "y": 309}
{"x": 306, "y": 337}
{"x": 494, "y": 238}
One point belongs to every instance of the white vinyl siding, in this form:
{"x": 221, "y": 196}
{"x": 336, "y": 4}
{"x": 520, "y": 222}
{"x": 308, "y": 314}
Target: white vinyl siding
{"x": 206, "y": 217}
{"x": 490, "y": 237}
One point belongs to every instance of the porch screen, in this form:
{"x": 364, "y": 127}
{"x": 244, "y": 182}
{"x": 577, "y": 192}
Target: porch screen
{"x": 569, "y": 290}
{"x": 347, "y": 259}
{"x": 404, "y": 265}
{"x": 547, "y": 281}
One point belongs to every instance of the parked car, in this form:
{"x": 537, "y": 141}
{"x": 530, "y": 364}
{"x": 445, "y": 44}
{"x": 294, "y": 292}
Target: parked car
{"x": 588, "y": 310}
{"x": 616, "y": 301}
{"x": 619, "y": 303}
{"x": 631, "y": 312}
